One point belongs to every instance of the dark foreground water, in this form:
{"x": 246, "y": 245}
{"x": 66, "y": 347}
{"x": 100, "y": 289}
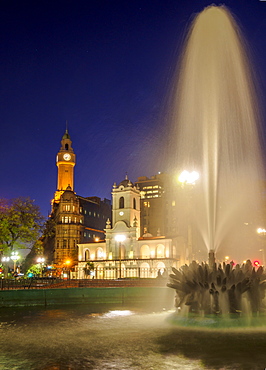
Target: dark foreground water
{"x": 112, "y": 337}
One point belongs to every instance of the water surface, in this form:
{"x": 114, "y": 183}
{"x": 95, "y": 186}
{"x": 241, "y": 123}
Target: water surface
{"x": 119, "y": 337}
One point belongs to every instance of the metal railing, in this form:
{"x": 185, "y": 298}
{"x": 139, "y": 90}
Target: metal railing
{"x": 30, "y": 283}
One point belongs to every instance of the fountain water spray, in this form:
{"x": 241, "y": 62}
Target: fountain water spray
{"x": 217, "y": 126}
{"x": 216, "y": 123}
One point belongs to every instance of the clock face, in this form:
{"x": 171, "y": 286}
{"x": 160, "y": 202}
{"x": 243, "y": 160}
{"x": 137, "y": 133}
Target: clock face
{"x": 121, "y": 213}
{"x": 67, "y": 157}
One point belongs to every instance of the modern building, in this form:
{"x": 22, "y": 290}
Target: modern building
{"x": 159, "y": 200}
{"x": 76, "y": 219}
{"x": 126, "y": 252}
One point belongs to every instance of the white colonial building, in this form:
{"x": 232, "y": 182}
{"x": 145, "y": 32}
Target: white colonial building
{"x": 125, "y": 253}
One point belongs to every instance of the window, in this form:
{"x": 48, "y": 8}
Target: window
{"x": 121, "y": 202}
{"x": 134, "y": 203}
{"x": 66, "y": 146}
{"x": 87, "y": 255}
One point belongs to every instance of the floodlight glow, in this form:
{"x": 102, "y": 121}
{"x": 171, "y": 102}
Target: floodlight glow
{"x": 120, "y": 238}
{"x": 188, "y": 177}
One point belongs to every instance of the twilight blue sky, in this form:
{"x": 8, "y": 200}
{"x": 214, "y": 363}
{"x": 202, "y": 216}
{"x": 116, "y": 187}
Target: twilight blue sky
{"x": 106, "y": 67}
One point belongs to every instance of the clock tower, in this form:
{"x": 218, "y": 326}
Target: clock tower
{"x": 65, "y": 162}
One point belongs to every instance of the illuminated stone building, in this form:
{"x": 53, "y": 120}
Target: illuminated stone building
{"x": 77, "y": 219}
{"x": 125, "y": 253}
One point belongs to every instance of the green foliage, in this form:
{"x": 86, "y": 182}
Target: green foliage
{"x": 34, "y": 269}
{"x": 49, "y": 228}
{"x": 20, "y": 223}
{"x": 38, "y": 248}
{"x": 88, "y": 268}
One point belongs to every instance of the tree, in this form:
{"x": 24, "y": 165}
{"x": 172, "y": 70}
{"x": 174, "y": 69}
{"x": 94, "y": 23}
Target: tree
{"x": 21, "y": 223}
{"x": 89, "y": 267}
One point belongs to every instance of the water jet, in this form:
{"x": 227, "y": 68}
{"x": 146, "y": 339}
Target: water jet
{"x": 216, "y": 120}
{"x": 216, "y": 124}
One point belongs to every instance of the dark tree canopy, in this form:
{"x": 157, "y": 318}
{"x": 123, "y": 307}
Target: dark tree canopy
{"x": 21, "y": 223}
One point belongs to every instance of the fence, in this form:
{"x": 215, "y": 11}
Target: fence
{"x": 31, "y": 283}
{"x": 122, "y": 272}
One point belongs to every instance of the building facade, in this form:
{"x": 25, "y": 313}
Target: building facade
{"x": 159, "y": 200}
{"x": 125, "y": 253}
{"x": 76, "y": 219}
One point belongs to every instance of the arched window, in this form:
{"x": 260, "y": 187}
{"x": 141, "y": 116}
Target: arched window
{"x": 66, "y": 146}
{"x": 121, "y": 202}
{"x": 144, "y": 251}
{"x": 99, "y": 253}
{"x": 134, "y": 203}
{"x": 160, "y": 251}
{"x": 87, "y": 255}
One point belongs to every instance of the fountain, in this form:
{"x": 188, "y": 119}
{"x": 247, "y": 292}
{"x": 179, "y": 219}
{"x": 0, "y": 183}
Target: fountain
{"x": 217, "y": 125}
{"x": 225, "y": 291}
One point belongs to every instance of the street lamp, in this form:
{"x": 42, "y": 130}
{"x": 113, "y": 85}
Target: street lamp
{"x": 262, "y": 232}
{"x": 68, "y": 263}
{"x": 187, "y": 177}
{"x": 41, "y": 261}
{"x": 5, "y": 259}
{"x": 15, "y": 256}
{"x": 188, "y": 180}
{"x": 120, "y": 239}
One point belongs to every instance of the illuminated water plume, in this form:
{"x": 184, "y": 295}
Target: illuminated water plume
{"x": 216, "y": 119}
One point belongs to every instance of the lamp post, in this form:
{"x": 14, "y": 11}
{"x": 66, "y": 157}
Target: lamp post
{"x": 15, "y": 257}
{"x": 120, "y": 238}
{"x": 41, "y": 261}
{"x": 4, "y": 260}
{"x": 68, "y": 263}
{"x": 262, "y": 233}
{"x": 188, "y": 180}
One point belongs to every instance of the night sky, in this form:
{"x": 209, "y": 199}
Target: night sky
{"x": 106, "y": 67}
